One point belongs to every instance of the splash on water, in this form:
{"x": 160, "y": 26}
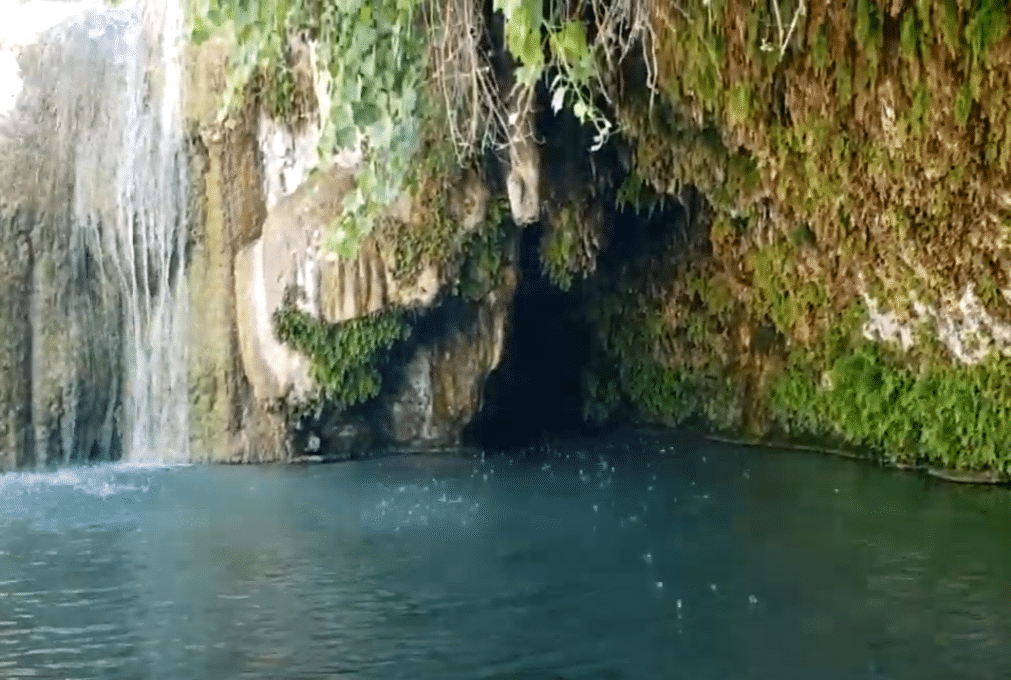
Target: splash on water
{"x": 99, "y": 481}
{"x": 414, "y": 505}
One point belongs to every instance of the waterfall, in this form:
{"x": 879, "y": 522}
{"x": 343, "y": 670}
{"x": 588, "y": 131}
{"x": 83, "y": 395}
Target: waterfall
{"x": 149, "y": 238}
{"x": 93, "y": 134}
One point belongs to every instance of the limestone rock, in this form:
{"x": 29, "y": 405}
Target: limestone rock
{"x": 441, "y": 386}
{"x": 290, "y": 255}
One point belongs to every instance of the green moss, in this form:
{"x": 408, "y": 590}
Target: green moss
{"x": 988, "y": 25}
{"x": 918, "y": 110}
{"x": 632, "y": 193}
{"x": 345, "y": 356}
{"x": 819, "y": 50}
{"x": 943, "y": 415}
{"x": 434, "y": 238}
{"x": 570, "y": 240}
{"x": 558, "y": 248}
{"x": 949, "y": 26}
{"x": 963, "y": 104}
{"x": 909, "y": 36}
{"x": 740, "y": 104}
{"x": 485, "y": 253}
{"x": 627, "y": 373}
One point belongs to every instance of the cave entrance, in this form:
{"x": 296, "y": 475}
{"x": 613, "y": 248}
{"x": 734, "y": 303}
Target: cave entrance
{"x": 535, "y": 393}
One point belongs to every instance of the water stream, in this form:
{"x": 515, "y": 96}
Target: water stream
{"x": 146, "y": 241}
{"x": 631, "y": 558}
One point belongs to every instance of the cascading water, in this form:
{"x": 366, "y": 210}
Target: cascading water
{"x": 92, "y": 127}
{"x": 149, "y": 237}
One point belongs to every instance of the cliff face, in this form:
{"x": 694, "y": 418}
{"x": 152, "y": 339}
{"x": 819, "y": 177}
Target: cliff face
{"x": 168, "y": 291}
{"x": 848, "y": 276}
{"x": 800, "y": 229}
{"x": 62, "y": 328}
{"x": 304, "y": 351}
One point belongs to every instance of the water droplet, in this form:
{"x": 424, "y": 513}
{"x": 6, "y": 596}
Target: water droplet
{"x": 752, "y": 599}
{"x": 679, "y": 604}
{"x": 648, "y": 558}
{"x": 595, "y": 507}
{"x": 659, "y": 584}
{"x": 486, "y": 476}
{"x": 712, "y": 587}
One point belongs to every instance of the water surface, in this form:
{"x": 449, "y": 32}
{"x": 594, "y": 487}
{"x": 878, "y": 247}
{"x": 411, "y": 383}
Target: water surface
{"x": 632, "y": 558}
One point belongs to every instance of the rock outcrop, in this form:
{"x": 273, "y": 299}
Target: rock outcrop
{"x": 262, "y": 222}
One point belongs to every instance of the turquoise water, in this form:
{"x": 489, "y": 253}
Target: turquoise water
{"x": 631, "y": 558}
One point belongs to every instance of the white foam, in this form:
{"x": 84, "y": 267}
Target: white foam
{"x": 101, "y": 481}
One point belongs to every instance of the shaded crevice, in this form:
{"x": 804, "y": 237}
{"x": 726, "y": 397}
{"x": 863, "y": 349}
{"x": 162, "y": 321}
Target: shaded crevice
{"x": 535, "y": 391}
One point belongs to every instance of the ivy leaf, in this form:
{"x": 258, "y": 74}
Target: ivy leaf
{"x": 527, "y": 75}
{"x": 345, "y": 138}
{"x": 571, "y": 42}
{"x": 508, "y": 7}
{"x": 409, "y": 102}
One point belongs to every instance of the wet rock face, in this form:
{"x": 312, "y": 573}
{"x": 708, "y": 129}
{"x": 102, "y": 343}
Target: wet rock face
{"x": 290, "y": 256}
{"x": 438, "y": 390}
{"x": 15, "y": 341}
{"x": 432, "y": 383}
{"x": 256, "y": 229}
{"x": 60, "y": 324}
{"x": 433, "y": 387}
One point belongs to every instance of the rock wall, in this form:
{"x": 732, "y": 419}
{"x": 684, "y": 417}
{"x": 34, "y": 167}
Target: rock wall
{"x": 847, "y": 276}
{"x": 227, "y": 422}
{"x": 62, "y": 329}
{"x": 260, "y": 241}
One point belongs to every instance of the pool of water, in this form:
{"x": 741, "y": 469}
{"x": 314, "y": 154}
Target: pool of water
{"x": 635, "y": 557}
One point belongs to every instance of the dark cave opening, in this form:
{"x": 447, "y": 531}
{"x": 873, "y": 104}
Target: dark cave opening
{"x": 535, "y": 391}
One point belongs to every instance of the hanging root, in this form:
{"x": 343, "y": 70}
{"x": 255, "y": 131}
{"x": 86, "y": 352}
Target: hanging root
{"x": 463, "y": 78}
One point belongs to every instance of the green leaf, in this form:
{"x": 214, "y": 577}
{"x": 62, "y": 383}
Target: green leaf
{"x": 571, "y": 42}
{"x": 200, "y": 33}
